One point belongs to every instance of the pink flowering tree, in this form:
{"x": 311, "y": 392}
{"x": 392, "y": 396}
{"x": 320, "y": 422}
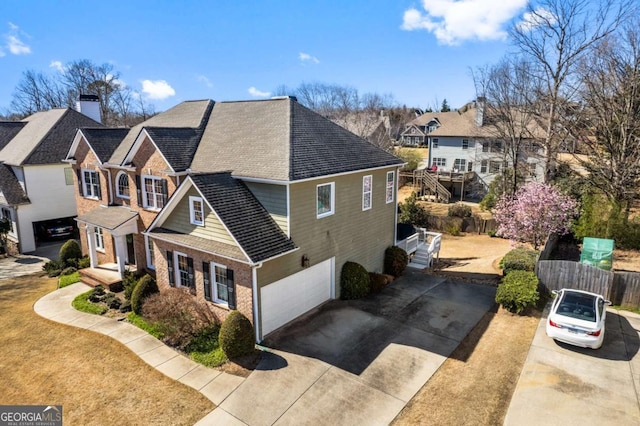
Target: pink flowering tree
{"x": 535, "y": 211}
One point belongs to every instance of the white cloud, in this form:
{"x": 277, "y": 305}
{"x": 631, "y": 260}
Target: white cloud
{"x": 157, "y": 89}
{"x": 2, "y": 53}
{"x": 531, "y": 20}
{"x": 57, "y": 65}
{"x": 455, "y": 21}
{"x": 257, "y": 93}
{"x": 13, "y": 43}
{"x": 204, "y": 80}
{"x": 305, "y": 57}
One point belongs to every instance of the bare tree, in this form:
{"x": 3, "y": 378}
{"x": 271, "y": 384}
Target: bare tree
{"x": 118, "y": 105}
{"x": 555, "y": 36}
{"x": 507, "y": 92}
{"x": 609, "y": 124}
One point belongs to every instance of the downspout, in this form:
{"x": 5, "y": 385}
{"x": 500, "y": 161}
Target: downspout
{"x": 110, "y": 186}
{"x": 395, "y": 231}
{"x": 256, "y": 317}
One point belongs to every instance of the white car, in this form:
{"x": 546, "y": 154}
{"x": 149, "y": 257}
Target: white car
{"x": 577, "y": 318}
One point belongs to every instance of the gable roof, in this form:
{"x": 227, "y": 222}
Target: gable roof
{"x": 45, "y": 138}
{"x": 11, "y": 192}
{"x": 279, "y": 139}
{"x": 245, "y": 218}
{"x": 104, "y": 141}
{"x": 188, "y": 114}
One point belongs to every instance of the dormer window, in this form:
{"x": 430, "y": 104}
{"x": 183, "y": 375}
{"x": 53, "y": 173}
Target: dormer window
{"x": 196, "y": 211}
{"x": 122, "y": 185}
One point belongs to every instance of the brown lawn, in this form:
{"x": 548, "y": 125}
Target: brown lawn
{"x": 96, "y": 379}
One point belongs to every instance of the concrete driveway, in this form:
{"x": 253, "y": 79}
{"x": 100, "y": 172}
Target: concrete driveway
{"x": 357, "y": 362}
{"x": 564, "y": 385}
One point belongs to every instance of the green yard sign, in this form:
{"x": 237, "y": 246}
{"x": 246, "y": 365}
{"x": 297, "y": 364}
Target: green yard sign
{"x": 597, "y": 252}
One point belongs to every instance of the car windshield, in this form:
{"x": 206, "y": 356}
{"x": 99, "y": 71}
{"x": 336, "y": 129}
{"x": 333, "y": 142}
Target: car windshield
{"x": 577, "y": 305}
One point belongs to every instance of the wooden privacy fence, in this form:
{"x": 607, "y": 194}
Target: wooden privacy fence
{"x": 622, "y": 288}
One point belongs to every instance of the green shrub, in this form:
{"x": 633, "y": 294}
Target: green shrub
{"x": 125, "y": 306}
{"x": 129, "y": 281}
{"x": 452, "y": 228}
{"x": 518, "y": 291}
{"x": 492, "y": 233}
{"x": 68, "y": 270}
{"x": 84, "y": 262}
{"x": 519, "y": 259}
{"x": 178, "y": 315}
{"x": 205, "y": 349}
{"x": 145, "y": 287}
{"x": 112, "y": 301}
{"x": 354, "y": 281}
{"x": 70, "y": 252}
{"x": 378, "y": 281}
{"x": 459, "y": 210}
{"x": 395, "y": 261}
{"x": 96, "y": 294}
{"x": 413, "y": 213}
{"x": 236, "y": 336}
{"x": 53, "y": 268}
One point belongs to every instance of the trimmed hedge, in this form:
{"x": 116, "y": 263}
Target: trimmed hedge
{"x": 378, "y": 281}
{"x": 145, "y": 287}
{"x": 519, "y": 259}
{"x": 518, "y": 291}
{"x": 69, "y": 253}
{"x": 354, "y": 281}
{"x": 236, "y": 336}
{"x": 395, "y": 261}
{"x": 459, "y": 210}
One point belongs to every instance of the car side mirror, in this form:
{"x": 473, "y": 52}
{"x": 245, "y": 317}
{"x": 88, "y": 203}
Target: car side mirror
{"x": 608, "y": 302}
{"x": 554, "y": 292}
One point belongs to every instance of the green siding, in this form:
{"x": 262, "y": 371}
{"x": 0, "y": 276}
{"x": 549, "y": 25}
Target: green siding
{"x": 274, "y": 200}
{"x": 179, "y": 220}
{"x": 350, "y": 234}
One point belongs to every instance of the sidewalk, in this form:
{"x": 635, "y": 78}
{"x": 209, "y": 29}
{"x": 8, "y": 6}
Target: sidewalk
{"x": 213, "y": 384}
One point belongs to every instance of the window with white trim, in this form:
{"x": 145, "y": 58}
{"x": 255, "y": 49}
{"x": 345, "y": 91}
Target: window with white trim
{"x": 440, "y": 161}
{"x": 470, "y": 166}
{"x": 152, "y": 192}
{"x": 434, "y": 143}
{"x": 99, "y": 237}
{"x": 485, "y": 146}
{"x": 465, "y": 143}
{"x": 122, "y": 185}
{"x": 367, "y": 183}
{"x": 391, "y": 186}
{"x": 90, "y": 183}
{"x": 196, "y": 211}
{"x": 184, "y": 270}
{"x": 325, "y": 198}
{"x": 151, "y": 261}
{"x": 497, "y": 146}
{"x": 495, "y": 166}
{"x": 459, "y": 165}
{"x": 220, "y": 287}
{"x": 484, "y": 164}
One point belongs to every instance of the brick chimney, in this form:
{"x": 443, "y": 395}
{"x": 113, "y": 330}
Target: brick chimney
{"x": 89, "y": 105}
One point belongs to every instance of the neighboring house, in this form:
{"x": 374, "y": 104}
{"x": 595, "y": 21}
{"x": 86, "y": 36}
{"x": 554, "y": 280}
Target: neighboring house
{"x": 36, "y": 188}
{"x": 255, "y": 209}
{"x": 467, "y": 151}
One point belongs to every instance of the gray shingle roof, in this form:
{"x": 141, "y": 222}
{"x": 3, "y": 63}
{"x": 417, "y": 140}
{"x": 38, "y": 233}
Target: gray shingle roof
{"x": 104, "y": 141}
{"x": 243, "y": 215}
{"x": 108, "y": 217}
{"x": 11, "y": 192}
{"x": 46, "y": 137}
{"x": 282, "y": 140}
{"x": 198, "y": 243}
{"x": 176, "y": 145}
{"x": 189, "y": 114}
{"x": 8, "y": 129}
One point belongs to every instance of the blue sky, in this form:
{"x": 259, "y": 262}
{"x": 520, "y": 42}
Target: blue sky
{"x": 170, "y": 51}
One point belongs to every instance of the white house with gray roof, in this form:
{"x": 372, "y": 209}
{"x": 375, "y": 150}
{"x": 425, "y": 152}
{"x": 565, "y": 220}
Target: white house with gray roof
{"x": 37, "y": 192}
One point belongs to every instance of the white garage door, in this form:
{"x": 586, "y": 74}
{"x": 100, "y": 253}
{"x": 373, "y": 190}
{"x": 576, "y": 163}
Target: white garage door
{"x": 291, "y": 297}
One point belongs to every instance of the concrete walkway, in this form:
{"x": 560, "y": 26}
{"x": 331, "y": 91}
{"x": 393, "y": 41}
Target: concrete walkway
{"x": 213, "y": 384}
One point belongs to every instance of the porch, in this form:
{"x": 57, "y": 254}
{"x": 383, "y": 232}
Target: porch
{"x": 421, "y": 246}
{"x": 106, "y": 275}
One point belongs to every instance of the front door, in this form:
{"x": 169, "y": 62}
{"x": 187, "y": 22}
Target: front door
{"x": 131, "y": 254}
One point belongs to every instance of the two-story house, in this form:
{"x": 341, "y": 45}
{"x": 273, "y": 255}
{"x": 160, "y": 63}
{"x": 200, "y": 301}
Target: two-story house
{"x": 37, "y": 189}
{"x": 469, "y": 151}
{"x": 269, "y": 202}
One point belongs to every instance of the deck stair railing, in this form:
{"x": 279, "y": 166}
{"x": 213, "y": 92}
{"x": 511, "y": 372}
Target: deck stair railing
{"x": 430, "y": 182}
